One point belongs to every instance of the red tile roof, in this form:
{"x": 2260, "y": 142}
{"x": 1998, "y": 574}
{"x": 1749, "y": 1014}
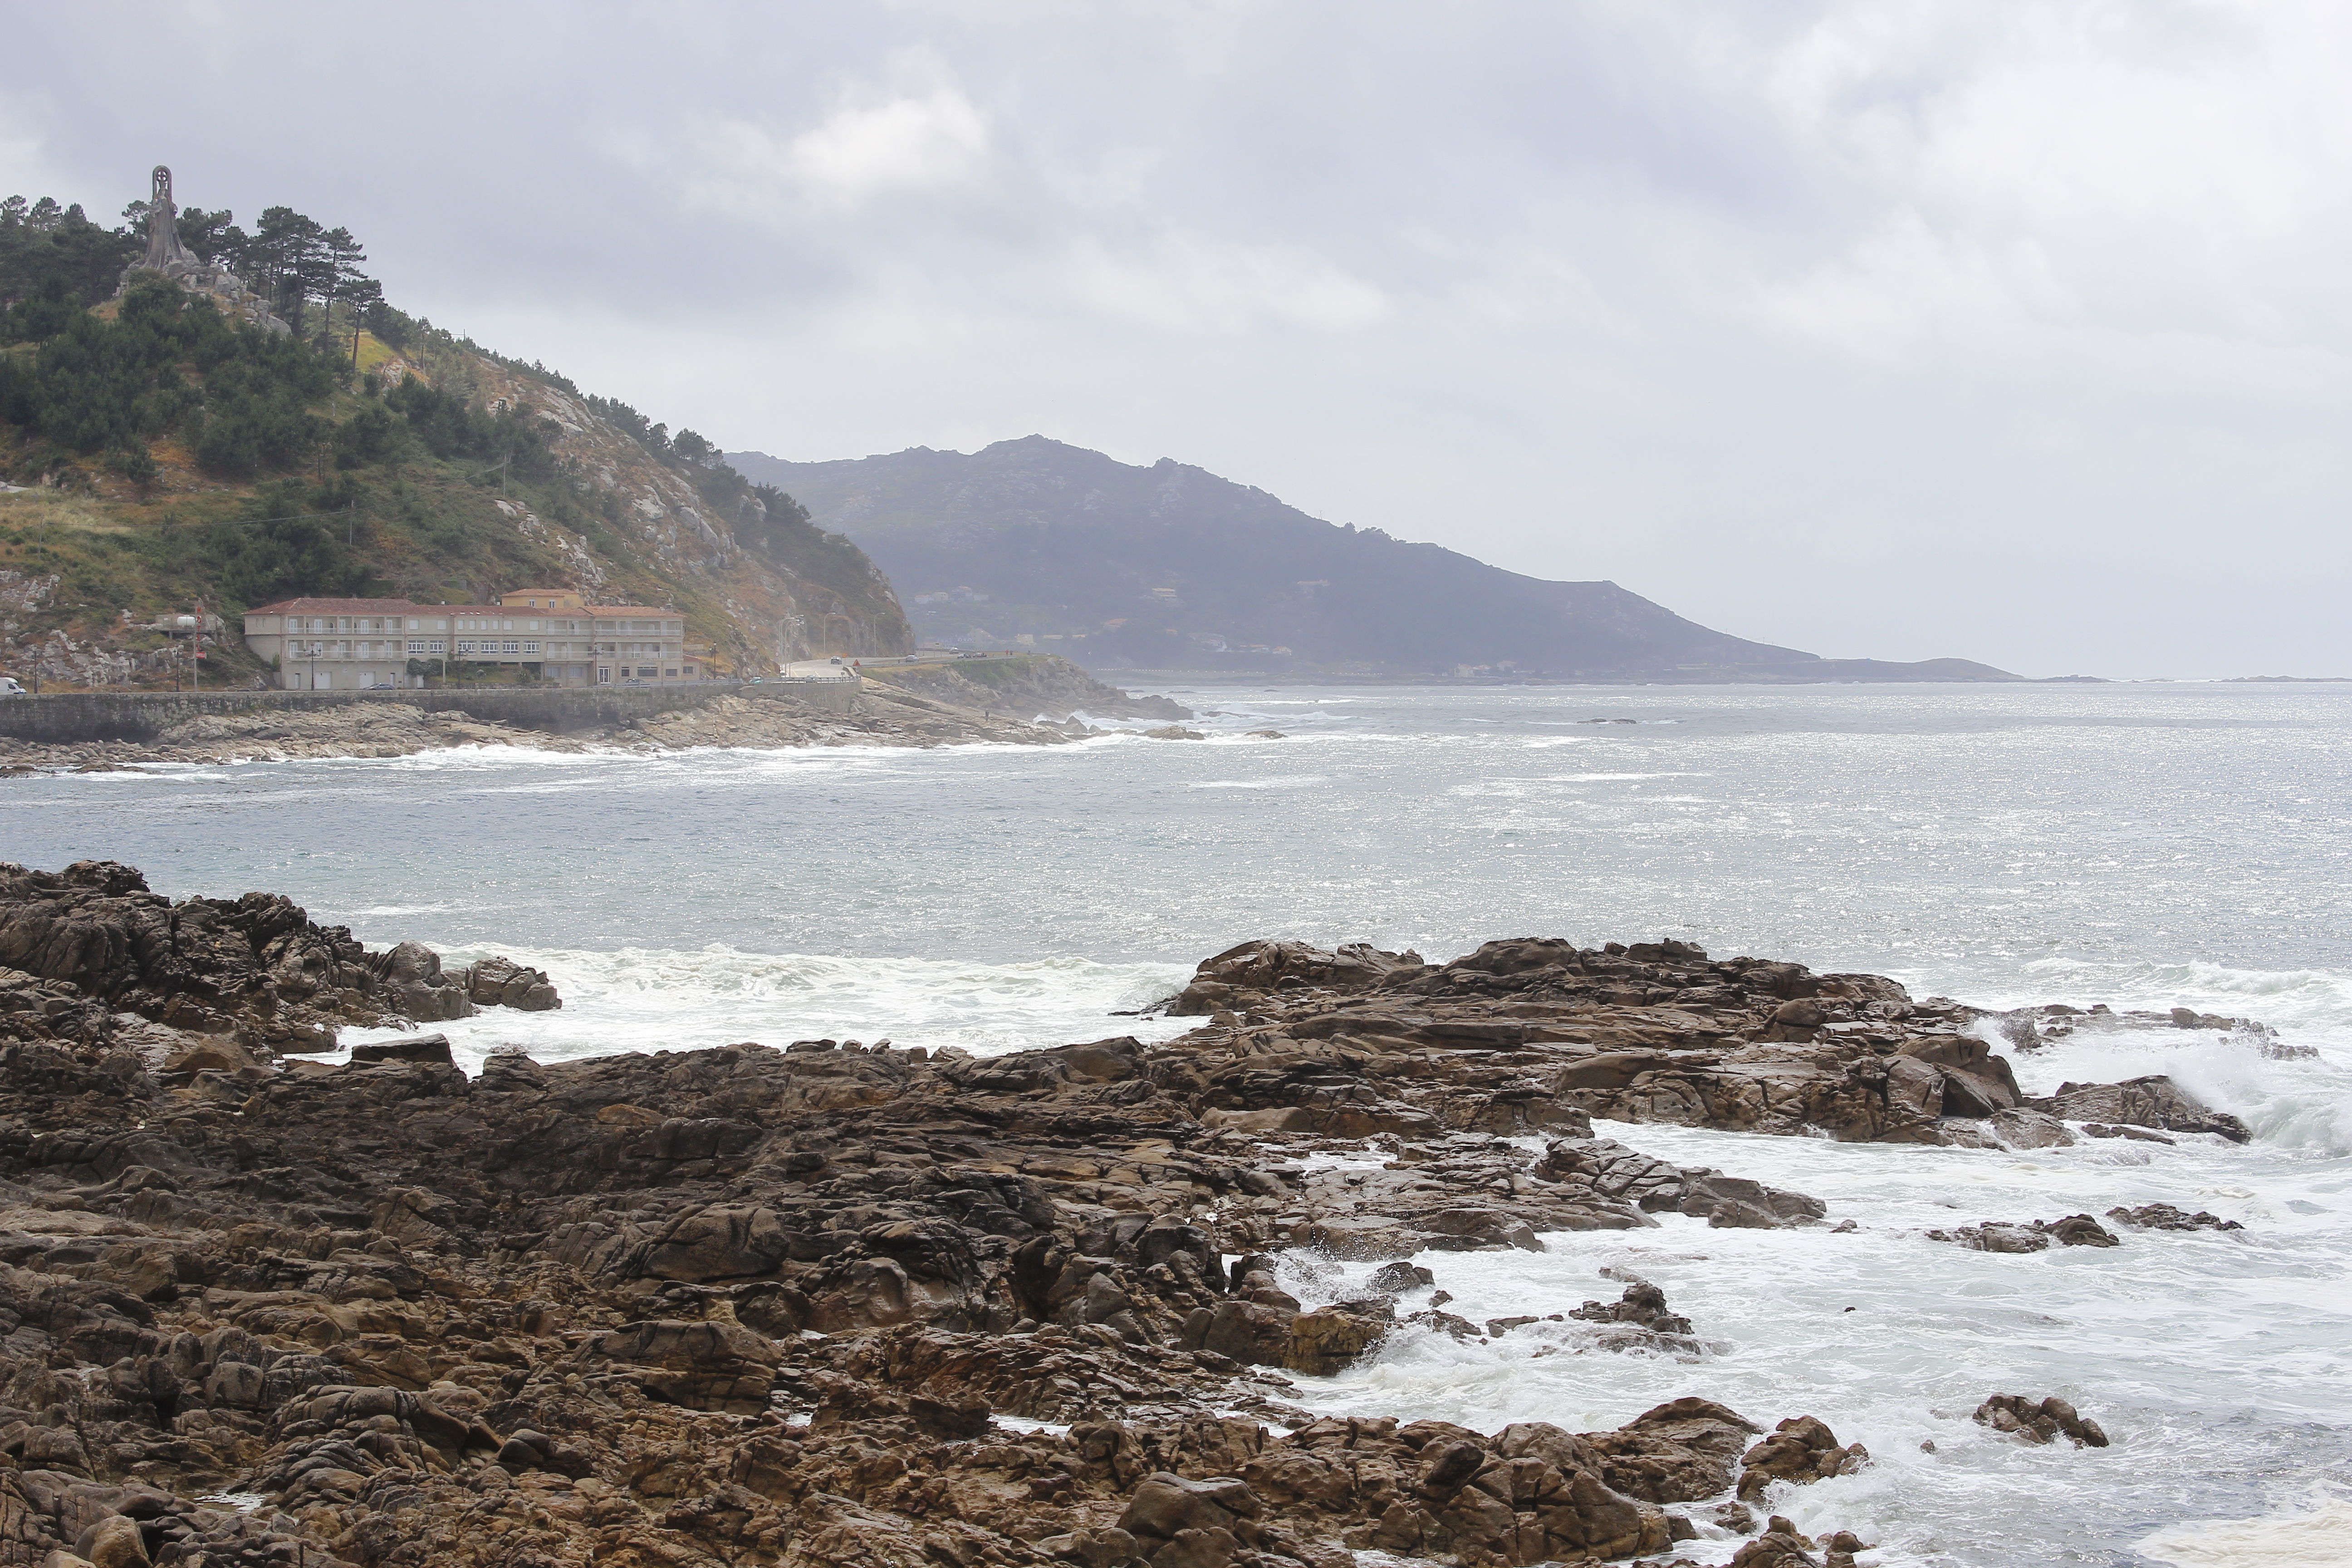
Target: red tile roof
{"x": 407, "y": 608}
{"x": 333, "y": 608}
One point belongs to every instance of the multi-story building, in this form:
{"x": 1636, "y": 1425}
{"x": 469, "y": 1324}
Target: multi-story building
{"x": 358, "y": 644}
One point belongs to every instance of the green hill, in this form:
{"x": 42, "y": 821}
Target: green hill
{"x": 157, "y": 449}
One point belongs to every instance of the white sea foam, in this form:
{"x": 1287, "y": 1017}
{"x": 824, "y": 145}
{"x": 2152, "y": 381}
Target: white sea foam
{"x": 652, "y": 1000}
{"x": 1894, "y": 1339}
{"x": 2319, "y": 1536}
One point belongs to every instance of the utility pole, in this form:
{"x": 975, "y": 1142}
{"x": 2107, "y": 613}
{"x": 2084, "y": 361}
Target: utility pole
{"x": 196, "y": 651}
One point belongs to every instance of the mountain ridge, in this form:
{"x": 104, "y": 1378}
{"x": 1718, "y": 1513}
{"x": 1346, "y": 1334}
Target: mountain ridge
{"x": 1172, "y": 567}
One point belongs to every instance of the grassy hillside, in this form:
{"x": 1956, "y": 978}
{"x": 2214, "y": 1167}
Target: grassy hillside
{"x": 158, "y": 453}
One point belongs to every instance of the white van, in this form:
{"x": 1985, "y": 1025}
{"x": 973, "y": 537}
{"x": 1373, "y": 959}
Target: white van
{"x": 8, "y": 687}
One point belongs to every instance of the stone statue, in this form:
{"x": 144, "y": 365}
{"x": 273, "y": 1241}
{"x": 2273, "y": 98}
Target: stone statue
{"x": 164, "y": 252}
{"x": 166, "y": 257}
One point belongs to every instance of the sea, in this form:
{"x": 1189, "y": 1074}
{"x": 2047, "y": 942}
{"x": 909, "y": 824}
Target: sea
{"x": 2144, "y": 845}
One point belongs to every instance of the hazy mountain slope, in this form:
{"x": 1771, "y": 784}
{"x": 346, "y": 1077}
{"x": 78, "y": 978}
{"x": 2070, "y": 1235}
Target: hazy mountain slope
{"x": 1172, "y": 566}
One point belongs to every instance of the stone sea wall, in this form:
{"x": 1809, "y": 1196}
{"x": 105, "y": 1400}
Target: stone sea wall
{"x": 76, "y": 718}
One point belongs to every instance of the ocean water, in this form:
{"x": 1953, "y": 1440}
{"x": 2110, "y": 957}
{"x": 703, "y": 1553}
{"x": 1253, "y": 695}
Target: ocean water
{"x": 2140, "y": 846}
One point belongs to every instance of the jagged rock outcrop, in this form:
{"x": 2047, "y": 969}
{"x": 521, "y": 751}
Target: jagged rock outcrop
{"x": 2151, "y": 1101}
{"x": 2033, "y": 1236}
{"x": 789, "y": 1305}
{"x": 1612, "y": 1172}
{"x": 1799, "y": 1450}
{"x": 2039, "y": 1421}
{"x": 2166, "y": 1216}
{"x": 1639, "y": 1320}
{"x": 1531, "y": 1034}
{"x": 89, "y": 953}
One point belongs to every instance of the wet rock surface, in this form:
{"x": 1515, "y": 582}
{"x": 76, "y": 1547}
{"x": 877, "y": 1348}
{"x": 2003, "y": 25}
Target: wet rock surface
{"x": 2038, "y": 1420}
{"x": 827, "y": 1304}
{"x": 1535, "y": 1035}
{"x": 1800, "y": 1450}
{"x": 98, "y": 973}
{"x": 2030, "y": 1236}
{"x": 2164, "y": 1216}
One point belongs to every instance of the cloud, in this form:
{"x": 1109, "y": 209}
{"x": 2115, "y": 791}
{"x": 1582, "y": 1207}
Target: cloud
{"x": 1905, "y": 283}
{"x": 1886, "y": 327}
{"x": 868, "y": 147}
{"x": 1183, "y": 283}
{"x": 2144, "y": 169}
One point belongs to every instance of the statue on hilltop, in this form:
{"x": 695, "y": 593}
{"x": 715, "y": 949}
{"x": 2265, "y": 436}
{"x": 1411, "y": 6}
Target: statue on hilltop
{"x": 167, "y": 258}
{"x": 164, "y": 253}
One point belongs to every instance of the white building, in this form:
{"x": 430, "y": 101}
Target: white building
{"x": 361, "y": 645}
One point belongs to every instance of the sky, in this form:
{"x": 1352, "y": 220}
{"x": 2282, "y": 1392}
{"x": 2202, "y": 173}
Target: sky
{"x": 2013, "y": 332}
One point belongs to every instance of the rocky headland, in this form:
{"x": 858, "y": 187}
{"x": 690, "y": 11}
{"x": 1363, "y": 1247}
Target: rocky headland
{"x": 815, "y": 1302}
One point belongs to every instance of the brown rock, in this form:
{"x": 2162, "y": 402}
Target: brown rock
{"x": 2039, "y": 1421}
{"x": 1801, "y": 1451}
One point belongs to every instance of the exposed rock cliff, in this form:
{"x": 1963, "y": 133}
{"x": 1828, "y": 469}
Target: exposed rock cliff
{"x": 788, "y": 589}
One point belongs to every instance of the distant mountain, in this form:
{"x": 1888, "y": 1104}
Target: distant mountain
{"x": 1171, "y": 567}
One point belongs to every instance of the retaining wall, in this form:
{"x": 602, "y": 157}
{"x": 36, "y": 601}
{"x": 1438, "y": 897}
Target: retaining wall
{"x": 75, "y": 717}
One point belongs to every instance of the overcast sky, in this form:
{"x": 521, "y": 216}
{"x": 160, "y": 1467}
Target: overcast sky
{"x": 2012, "y": 332}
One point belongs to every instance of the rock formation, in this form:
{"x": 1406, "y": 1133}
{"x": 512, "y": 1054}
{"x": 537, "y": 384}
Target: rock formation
{"x": 824, "y": 1304}
{"x": 1531, "y": 1034}
{"x": 91, "y": 960}
{"x": 2039, "y": 1421}
{"x": 2034, "y": 1235}
{"x": 2164, "y": 1216}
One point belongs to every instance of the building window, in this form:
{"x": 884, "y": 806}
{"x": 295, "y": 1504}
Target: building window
{"x": 437, "y": 646}
{"x": 464, "y": 647}
{"x": 527, "y": 648}
{"x": 415, "y": 645}
{"x": 513, "y": 645}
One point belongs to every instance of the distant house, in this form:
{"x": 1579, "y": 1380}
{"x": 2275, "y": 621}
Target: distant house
{"x": 364, "y": 645}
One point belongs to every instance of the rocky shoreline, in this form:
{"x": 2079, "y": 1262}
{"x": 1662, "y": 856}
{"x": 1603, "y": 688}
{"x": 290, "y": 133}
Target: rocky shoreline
{"x": 819, "y": 1302}
{"x": 883, "y": 714}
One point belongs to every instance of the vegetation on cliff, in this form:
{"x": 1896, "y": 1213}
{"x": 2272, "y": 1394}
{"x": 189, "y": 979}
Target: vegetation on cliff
{"x": 155, "y": 453}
